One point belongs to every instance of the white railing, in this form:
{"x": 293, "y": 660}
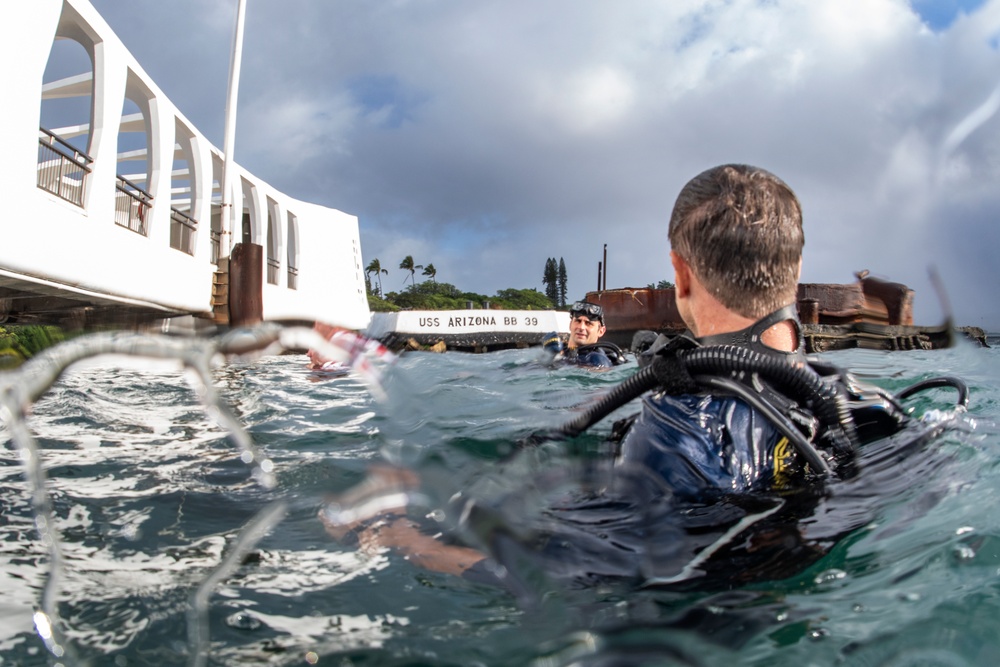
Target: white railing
{"x": 132, "y": 205}
{"x": 62, "y": 169}
{"x": 182, "y": 231}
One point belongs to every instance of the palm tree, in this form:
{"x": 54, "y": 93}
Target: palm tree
{"x": 429, "y": 270}
{"x": 375, "y": 267}
{"x": 408, "y": 265}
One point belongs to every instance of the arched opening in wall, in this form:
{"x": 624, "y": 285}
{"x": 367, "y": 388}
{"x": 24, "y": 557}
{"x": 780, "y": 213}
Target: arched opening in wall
{"x": 292, "y": 239}
{"x": 133, "y": 200}
{"x": 67, "y": 109}
{"x": 183, "y": 191}
{"x": 250, "y": 228}
{"x": 216, "y": 231}
{"x": 273, "y": 242}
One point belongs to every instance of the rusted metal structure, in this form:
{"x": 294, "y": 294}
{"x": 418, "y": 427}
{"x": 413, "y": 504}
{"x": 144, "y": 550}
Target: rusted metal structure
{"x": 869, "y": 313}
{"x": 868, "y": 300}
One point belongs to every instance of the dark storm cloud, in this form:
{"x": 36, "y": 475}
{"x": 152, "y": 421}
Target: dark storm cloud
{"x": 486, "y": 136}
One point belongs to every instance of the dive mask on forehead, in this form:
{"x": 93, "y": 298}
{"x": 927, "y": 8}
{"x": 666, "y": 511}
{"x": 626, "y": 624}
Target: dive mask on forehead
{"x": 591, "y": 310}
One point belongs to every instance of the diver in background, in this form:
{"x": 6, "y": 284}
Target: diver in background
{"x": 584, "y": 348}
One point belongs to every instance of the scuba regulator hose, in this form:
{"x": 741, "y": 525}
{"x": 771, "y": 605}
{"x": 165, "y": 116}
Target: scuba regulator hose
{"x": 736, "y": 370}
{"x": 943, "y": 381}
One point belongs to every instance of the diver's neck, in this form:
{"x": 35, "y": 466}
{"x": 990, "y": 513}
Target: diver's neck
{"x": 714, "y": 319}
{"x": 705, "y": 316}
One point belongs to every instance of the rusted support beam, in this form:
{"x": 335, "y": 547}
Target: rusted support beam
{"x": 246, "y": 285}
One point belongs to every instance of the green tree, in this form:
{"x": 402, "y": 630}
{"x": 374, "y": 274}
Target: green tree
{"x": 408, "y": 265}
{"x": 429, "y": 296}
{"x": 379, "y": 305}
{"x": 429, "y": 270}
{"x": 444, "y": 296}
{"x": 522, "y": 299}
{"x": 563, "y": 283}
{"x": 18, "y": 343}
{"x": 551, "y": 280}
{"x": 375, "y": 267}
{"x": 663, "y": 284}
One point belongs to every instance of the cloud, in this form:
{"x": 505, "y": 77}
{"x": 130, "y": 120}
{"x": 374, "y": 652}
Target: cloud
{"x": 284, "y": 129}
{"x": 588, "y": 101}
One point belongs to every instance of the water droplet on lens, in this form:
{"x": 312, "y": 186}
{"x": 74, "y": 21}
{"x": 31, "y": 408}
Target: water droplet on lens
{"x": 243, "y": 621}
{"x": 830, "y": 576}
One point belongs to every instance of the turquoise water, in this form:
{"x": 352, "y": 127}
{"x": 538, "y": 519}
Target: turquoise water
{"x": 149, "y": 496}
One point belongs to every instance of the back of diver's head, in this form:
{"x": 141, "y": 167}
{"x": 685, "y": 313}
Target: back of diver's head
{"x": 739, "y": 228}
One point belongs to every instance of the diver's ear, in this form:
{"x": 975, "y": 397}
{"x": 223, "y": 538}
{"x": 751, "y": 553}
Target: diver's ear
{"x": 682, "y": 275}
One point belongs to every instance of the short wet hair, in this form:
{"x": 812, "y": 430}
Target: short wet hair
{"x": 739, "y": 228}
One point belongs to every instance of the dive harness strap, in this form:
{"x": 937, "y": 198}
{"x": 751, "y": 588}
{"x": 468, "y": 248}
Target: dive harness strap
{"x": 752, "y": 337}
{"x": 663, "y": 358}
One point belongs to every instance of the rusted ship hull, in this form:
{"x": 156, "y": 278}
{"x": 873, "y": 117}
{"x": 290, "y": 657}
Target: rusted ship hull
{"x": 870, "y": 313}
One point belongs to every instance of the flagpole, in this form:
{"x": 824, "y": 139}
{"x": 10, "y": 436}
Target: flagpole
{"x": 228, "y": 214}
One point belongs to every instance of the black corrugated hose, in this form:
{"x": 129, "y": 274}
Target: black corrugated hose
{"x": 801, "y": 382}
{"x": 678, "y": 373}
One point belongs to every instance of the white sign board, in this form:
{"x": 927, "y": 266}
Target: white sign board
{"x": 468, "y": 322}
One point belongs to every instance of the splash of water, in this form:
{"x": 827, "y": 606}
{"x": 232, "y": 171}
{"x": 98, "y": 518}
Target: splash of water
{"x": 21, "y": 388}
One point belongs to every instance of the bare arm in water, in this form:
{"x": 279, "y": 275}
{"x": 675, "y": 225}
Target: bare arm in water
{"x": 390, "y": 529}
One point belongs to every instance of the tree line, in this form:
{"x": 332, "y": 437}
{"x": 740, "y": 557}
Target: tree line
{"x": 432, "y": 295}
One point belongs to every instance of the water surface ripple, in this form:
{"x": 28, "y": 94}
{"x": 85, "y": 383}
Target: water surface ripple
{"x": 149, "y": 497}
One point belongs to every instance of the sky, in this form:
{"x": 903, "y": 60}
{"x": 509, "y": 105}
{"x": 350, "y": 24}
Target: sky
{"x": 484, "y": 136}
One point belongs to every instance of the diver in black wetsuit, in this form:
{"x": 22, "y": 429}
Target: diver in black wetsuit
{"x": 736, "y": 247}
{"x": 584, "y": 348}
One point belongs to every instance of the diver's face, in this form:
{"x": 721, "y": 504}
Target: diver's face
{"x": 584, "y": 331}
